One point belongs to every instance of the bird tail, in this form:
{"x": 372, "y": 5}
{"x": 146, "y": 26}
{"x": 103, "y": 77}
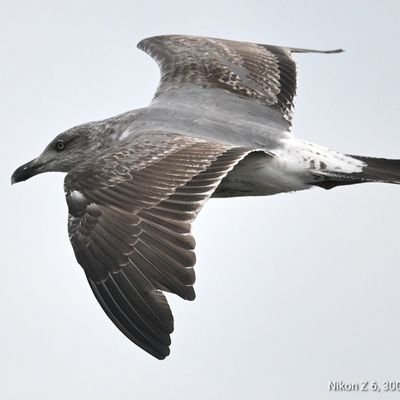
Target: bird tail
{"x": 374, "y": 170}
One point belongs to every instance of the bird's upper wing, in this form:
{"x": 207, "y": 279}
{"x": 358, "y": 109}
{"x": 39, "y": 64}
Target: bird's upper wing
{"x": 264, "y": 73}
{"x": 130, "y": 212}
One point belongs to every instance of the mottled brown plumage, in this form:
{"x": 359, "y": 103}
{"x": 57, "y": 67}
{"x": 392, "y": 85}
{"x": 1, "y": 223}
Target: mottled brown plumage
{"x": 263, "y": 73}
{"x": 219, "y": 125}
{"x": 129, "y": 224}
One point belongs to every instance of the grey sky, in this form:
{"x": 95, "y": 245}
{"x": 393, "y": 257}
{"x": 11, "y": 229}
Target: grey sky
{"x": 292, "y": 290}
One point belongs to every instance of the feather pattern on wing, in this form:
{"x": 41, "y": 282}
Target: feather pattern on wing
{"x": 130, "y": 213}
{"x": 264, "y": 73}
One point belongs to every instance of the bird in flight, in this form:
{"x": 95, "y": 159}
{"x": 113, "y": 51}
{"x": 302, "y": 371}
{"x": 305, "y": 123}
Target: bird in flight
{"x": 219, "y": 125}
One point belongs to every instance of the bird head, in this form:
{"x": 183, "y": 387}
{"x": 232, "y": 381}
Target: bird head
{"x": 66, "y": 151}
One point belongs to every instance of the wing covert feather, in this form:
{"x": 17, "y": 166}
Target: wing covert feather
{"x": 263, "y": 73}
{"x": 130, "y": 214}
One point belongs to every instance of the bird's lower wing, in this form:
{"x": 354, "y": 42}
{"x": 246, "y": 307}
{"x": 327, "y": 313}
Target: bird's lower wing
{"x": 130, "y": 214}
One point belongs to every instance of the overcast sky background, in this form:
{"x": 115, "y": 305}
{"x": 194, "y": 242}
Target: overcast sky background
{"x": 293, "y": 290}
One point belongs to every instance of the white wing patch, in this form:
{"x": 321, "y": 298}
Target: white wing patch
{"x": 125, "y": 134}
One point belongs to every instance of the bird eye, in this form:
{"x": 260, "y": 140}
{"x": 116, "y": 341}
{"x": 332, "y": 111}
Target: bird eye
{"x": 60, "y": 145}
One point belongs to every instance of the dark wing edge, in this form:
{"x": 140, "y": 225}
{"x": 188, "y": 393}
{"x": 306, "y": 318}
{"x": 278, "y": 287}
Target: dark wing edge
{"x": 133, "y": 238}
{"x": 264, "y": 73}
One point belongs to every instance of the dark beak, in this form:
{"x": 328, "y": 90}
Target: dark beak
{"x": 25, "y": 172}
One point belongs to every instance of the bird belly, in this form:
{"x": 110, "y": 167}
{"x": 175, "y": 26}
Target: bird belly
{"x": 295, "y": 165}
{"x": 261, "y": 174}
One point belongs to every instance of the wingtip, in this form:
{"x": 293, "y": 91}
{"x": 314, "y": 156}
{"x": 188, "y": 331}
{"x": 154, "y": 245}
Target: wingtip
{"x": 298, "y": 50}
{"x": 335, "y": 51}
{"x": 158, "y": 352}
{"x": 161, "y": 356}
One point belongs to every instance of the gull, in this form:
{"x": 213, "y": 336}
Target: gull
{"x": 219, "y": 125}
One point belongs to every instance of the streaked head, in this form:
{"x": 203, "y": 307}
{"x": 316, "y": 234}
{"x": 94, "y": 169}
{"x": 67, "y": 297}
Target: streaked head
{"x": 64, "y": 152}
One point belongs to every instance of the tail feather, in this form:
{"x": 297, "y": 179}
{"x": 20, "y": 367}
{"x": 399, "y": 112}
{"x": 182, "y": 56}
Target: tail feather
{"x": 380, "y": 169}
{"x": 375, "y": 170}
